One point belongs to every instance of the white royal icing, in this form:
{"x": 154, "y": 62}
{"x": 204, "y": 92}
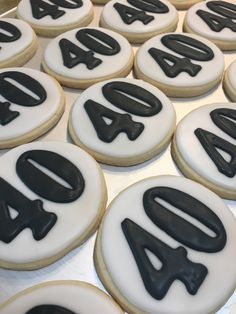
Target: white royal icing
{"x": 71, "y": 16}
{"x": 193, "y": 152}
{"x": 160, "y": 124}
{"x": 110, "y": 64}
{"x": 161, "y": 20}
{"x": 73, "y": 218}
{"x": 11, "y": 49}
{"x": 78, "y": 297}
{"x": 31, "y": 118}
{"x": 122, "y": 268}
{"x": 199, "y": 26}
{"x": 231, "y": 75}
{"x": 211, "y": 70}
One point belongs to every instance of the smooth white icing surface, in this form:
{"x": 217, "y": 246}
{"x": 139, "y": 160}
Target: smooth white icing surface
{"x": 71, "y": 16}
{"x": 109, "y": 65}
{"x": 232, "y": 74}
{"x": 72, "y": 218}
{"x": 191, "y": 149}
{"x": 156, "y": 127}
{"x": 82, "y": 299}
{"x": 161, "y": 20}
{"x": 31, "y": 117}
{"x": 210, "y": 71}
{"x": 220, "y": 280}
{"x": 10, "y": 49}
{"x": 199, "y": 26}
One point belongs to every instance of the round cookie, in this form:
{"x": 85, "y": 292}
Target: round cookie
{"x": 229, "y": 82}
{"x": 204, "y": 147}
{"x": 115, "y": 121}
{"x": 214, "y": 20}
{"x": 31, "y": 103}
{"x": 183, "y": 4}
{"x": 164, "y": 246}
{"x": 18, "y": 42}
{"x": 52, "y": 17}
{"x": 61, "y": 297}
{"x": 82, "y": 57}
{"x": 139, "y": 20}
{"x": 46, "y": 205}
{"x": 181, "y": 65}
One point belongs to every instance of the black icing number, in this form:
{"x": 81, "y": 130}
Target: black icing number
{"x": 49, "y": 309}
{"x": 188, "y": 47}
{"x": 175, "y": 263}
{"x": 126, "y": 96}
{"x": 19, "y": 95}
{"x": 8, "y": 32}
{"x": 95, "y": 41}
{"x": 224, "y": 18}
{"x": 225, "y": 119}
{"x": 41, "y": 8}
{"x": 31, "y": 214}
{"x": 138, "y": 10}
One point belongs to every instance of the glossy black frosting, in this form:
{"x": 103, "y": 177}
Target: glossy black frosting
{"x": 188, "y": 47}
{"x": 14, "y": 94}
{"x": 41, "y": 8}
{"x": 175, "y": 263}
{"x": 119, "y": 122}
{"x": 44, "y": 185}
{"x": 180, "y": 229}
{"x": 31, "y": 214}
{"x": 126, "y": 96}
{"x": 13, "y": 32}
{"x": 224, "y": 119}
{"x": 93, "y": 39}
{"x": 224, "y": 18}
{"x": 159, "y": 204}
{"x": 50, "y": 309}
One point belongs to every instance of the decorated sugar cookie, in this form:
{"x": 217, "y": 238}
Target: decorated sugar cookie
{"x": 31, "y": 103}
{"x": 181, "y": 65}
{"x": 229, "y": 82}
{"x": 122, "y": 121}
{"x": 46, "y": 206}
{"x": 215, "y": 20}
{"x": 139, "y": 20}
{"x": 53, "y": 17}
{"x": 183, "y": 4}
{"x": 61, "y": 297}
{"x": 82, "y": 57}
{"x": 18, "y": 42}
{"x": 164, "y": 246}
{"x": 204, "y": 147}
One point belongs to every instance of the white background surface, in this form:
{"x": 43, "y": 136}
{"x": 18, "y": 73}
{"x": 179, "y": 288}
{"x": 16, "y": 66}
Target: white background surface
{"x": 78, "y": 265}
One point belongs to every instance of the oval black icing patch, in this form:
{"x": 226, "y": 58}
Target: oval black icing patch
{"x": 13, "y": 32}
{"x": 49, "y": 309}
{"x": 45, "y": 185}
{"x": 180, "y": 229}
{"x": 188, "y": 47}
{"x": 118, "y": 94}
{"x": 17, "y": 95}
